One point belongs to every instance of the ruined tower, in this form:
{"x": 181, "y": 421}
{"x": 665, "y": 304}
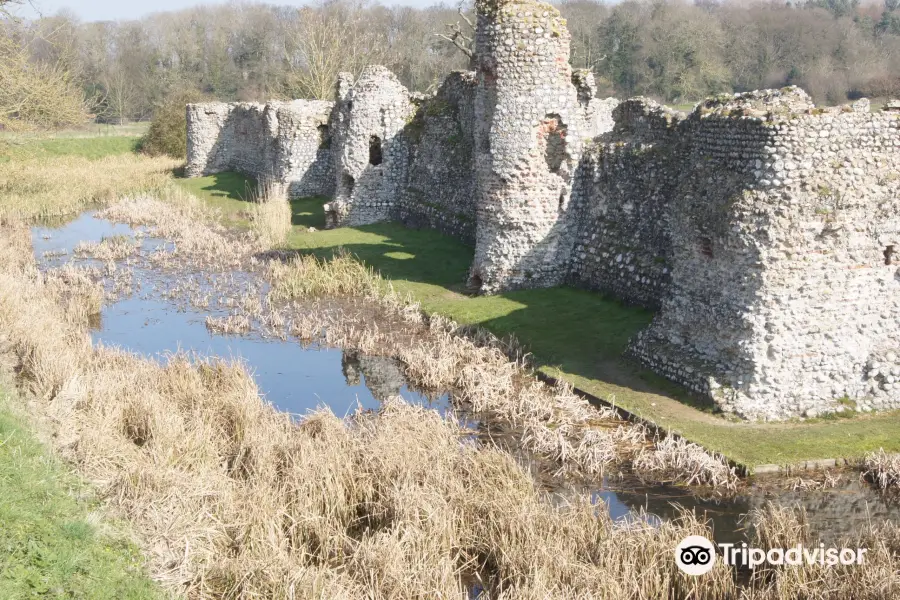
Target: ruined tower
{"x": 531, "y": 121}
{"x": 370, "y": 155}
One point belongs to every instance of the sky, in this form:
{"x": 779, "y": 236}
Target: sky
{"x": 113, "y": 10}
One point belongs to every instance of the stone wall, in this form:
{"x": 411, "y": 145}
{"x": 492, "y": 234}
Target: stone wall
{"x": 764, "y": 230}
{"x": 371, "y": 155}
{"x": 532, "y": 117}
{"x": 784, "y": 289}
{"x": 626, "y": 180}
{"x": 287, "y": 141}
{"x": 440, "y": 189}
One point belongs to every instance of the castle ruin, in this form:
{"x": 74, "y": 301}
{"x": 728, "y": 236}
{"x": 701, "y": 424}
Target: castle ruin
{"x": 763, "y": 230}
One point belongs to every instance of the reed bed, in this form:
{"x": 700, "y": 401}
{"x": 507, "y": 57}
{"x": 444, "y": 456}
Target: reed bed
{"x": 490, "y": 376}
{"x": 231, "y": 499}
{"x": 271, "y": 213}
{"x": 307, "y": 276}
{"x": 185, "y": 222}
{"x": 228, "y": 325}
{"x": 117, "y": 247}
{"x": 234, "y": 499}
{"x": 877, "y": 578}
{"x": 37, "y": 188}
{"x": 882, "y": 469}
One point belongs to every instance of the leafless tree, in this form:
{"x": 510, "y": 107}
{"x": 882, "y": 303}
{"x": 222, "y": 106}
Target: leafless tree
{"x": 461, "y": 36}
{"x": 35, "y": 93}
{"x": 326, "y": 40}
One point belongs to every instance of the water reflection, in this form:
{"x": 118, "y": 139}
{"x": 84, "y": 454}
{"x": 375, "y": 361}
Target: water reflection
{"x": 293, "y": 378}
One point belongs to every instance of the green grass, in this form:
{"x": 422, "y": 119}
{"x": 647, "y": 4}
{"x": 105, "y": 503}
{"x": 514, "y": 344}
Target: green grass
{"x": 580, "y": 336}
{"x": 227, "y": 192}
{"x": 49, "y": 544}
{"x": 91, "y": 148}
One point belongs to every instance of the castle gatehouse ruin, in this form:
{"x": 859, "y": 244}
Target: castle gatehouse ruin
{"x": 763, "y": 230}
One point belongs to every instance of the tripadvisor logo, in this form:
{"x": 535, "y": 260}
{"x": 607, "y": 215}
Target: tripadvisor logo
{"x": 696, "y": 555}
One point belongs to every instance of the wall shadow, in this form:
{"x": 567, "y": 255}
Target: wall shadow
{"x": 579, "y": 331}
{"x": 308, "y": 212}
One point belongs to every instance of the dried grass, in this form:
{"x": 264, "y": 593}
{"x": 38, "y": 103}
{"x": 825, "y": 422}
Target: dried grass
{"x": 190, "y": 226}
{"x": 550, "y": 421}
{"x": 271, "y": 214}
{"x": 785, "y": 527}
{"x": 232, "y": 324}
{"x": 678, "y": 460}
{"x": 58, "y": 186}
{"x": 882, "y": 469}
{"x": 117, "y": 247}
{"x": 307, "y": 276}
{"x": 232, "y": 499}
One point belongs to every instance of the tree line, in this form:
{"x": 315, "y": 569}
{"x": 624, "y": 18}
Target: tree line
{"x": 672, "y": 50}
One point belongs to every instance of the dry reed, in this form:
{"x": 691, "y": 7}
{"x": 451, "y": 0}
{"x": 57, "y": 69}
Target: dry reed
{"x": 232, "y": 499}
{"x": 271, "y": 213}
{"x": 117, "y": 247}
{"x": 882, "y": 469}
{"x": 877, "y": 578}
{"x": 52, "y": 187}
{"x": 551, "y": 421}
{"x": 188, "y": 224}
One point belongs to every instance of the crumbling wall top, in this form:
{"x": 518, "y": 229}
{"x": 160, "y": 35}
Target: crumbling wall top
{"x": 642, "y": 119}
{"x": 786, "y": 100}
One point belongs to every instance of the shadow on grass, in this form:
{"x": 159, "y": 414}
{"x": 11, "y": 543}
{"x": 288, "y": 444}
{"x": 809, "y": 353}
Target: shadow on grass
{"x": 578, "y": 331}
{"x": 309, "y": 212}
{"x": 221, "y": 186}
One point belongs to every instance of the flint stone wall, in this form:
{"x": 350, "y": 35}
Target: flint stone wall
{"x": 285, "y": 141}
{"x": 764, "y": 230}
{"x": 785, "y": 290}
{"x": 622, "y": 244}
{"x": 533, "y": 115}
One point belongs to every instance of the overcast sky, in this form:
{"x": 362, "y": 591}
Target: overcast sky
{"x": 111, "y": 10}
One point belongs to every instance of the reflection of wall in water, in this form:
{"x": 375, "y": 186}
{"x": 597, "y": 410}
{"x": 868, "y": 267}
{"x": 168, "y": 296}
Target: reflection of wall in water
{"x": 383, "y": 376}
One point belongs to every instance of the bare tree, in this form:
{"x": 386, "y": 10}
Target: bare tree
{"x": 460, "y": 36}
{"x": 326, "y": 40}
{"x": 33, "y": 93}
{"x": 121, "y": 94}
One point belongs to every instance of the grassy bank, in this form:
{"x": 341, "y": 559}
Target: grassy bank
{"x": 51, "y": 545}
{"x": 576, "y": 335}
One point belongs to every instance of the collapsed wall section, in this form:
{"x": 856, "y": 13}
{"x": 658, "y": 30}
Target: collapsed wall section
{"x": 371, "y": 156}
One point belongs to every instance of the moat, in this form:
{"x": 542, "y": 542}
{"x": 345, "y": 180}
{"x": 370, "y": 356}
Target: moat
{"x": 152, "y": 319}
